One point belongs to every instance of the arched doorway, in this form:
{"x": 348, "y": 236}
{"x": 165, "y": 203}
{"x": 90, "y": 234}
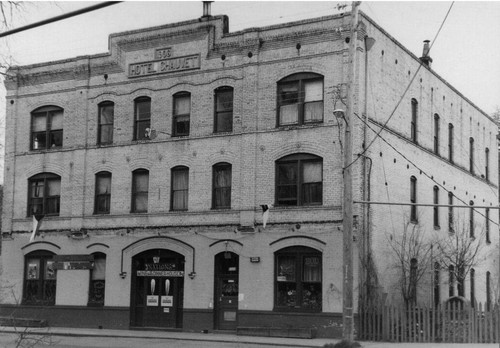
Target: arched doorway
{"x": 226, "y": 290}
{"x": 157, "y": 289}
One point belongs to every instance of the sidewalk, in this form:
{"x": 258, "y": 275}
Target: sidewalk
{"x": 228, "y": 338}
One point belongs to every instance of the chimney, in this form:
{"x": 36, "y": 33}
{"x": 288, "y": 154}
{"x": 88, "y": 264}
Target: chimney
{"x": 206, "y": 9}
{"x": 425, "y": 54}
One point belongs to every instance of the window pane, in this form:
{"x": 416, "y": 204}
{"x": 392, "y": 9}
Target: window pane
{"x": 181, "y": 126}
{"x": 33, "y": 269}
{"x": 54, "y": 187}
{"x": 141, "y": 202}
{"x": 99, "y": 271}
{"x": 311, "y": 269}
{"x": 53, "y": 206}
{"x": 141, "y": 128}
{"x": 289, "y": 114}
{"x": 180, "y": 178}
{"x": 103, "y": 184}
{"x": 224, "y": 122}
{"x": 50, "y": 271}
{"x": 56, "y": 119}
{"x": 224, "y": 101}
{"x": 182, "y": 105}
{"x": 286, "y": 268}
{"x": 313, "y": 111}
{"x": 311, "y": 296}
{"x": 39, "y": 122}
{"x": 39, "y": 141}
{"x": 222, "y": 197}
{"x": 37, "y": 188}
{"x": 287, "y": 295}
{"x": 287, "y": 173}
{"x": 107, "y": 114}
{"x": 143, "y": 110}
{"x": 141, "y": 182}
{"x": 56, "y": 138}
{"x": 312, "y": 172}
{"x": 180, "y": 200}
{"x": 106, "y": 134}
{"x": 313, "y": 91}
{"x": 289, "y": 93}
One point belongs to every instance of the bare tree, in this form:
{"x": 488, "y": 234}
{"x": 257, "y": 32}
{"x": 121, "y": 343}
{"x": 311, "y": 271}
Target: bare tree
{"x": 460, "y": 251}
{"x": 413, "y": 255}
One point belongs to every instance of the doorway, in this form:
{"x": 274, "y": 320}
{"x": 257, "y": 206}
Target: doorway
{"x": 157, "y": 289}
{"x": 226, "y": 290}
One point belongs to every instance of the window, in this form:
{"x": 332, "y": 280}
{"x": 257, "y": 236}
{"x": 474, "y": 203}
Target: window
{"x": 471, "y": 155}
{"x": 413, "y": 199}
{"x": 140, "y": 187}
{"x": 450, "y": 142}
{"x": 299, "y": 180}
{"x": 471, "y": 220}
{"x": 451, "y": 280}
{"x": 97, "y": 280}
{"x": 298, "y": 281}
{"x": 105, "y": 126}
{"x": 142, "y": 117}
{"x": 181, "y": 115}
{"x": 487, "y": 225}
{"x": 436, "y": 209}
{"x": 451, "y": 220}
{"x": 44, "y": 194}
{"x": 300, "y": 99}
{"x": 472, "y": 287}
{"x": 488, "y": 291}
{"x": 47, "y": 128}
{"x": 102, "y": 193}
{"x": 414, "y": 117}
{"x": 412, "y": 295}
{"x": 40, "y": 279}
{"x": 487, "y": 164}
{"x": 180, "y": 186}
{"x": 437, "y": 284}
{"x": 223, "y": 110}
{"x": 436, "y": 134}
{"x": 221, "y": 186}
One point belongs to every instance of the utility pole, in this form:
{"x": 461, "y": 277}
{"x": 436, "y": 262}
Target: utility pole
{"x": 347, "y": 219}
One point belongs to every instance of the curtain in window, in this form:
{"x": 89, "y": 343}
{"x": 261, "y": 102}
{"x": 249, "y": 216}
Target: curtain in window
{"x": 103, "y": 185}
{"x": 107, "y": 119}
{"x": 99, "y": 271}
{"x": 180, "y": 189}
{"x": 182, "y": 105}
{"x": 222, "y": 183}
{"x": 289, "y": 114}
{"x": 311, "y": 269}
{"x": 141, "y": 185}
{"x": 312, "y": 188}
{"x": 313, "y": 172}
{"x": 54, "y": 187}
{"x": 313, "y": 91}
{"x": 39, "y": 123}
{"x": 143, "y": 111}
{"x": 56, "y": 119}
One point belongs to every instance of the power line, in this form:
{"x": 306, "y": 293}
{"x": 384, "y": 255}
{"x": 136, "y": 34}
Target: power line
{"x": 60, "y": 17}
{"x": 406, "y": 90}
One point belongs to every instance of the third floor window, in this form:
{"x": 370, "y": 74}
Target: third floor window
{"x": 223, "y": 110}
{"x": 105, "y": 126}
{"x": 142, "y": 116}
{"x": 182, "y": 112}
{"x": 47, "y": 128}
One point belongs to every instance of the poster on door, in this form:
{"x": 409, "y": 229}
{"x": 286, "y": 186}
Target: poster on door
{"x": 152, "y": 301}
{"x": 167, "y": 301}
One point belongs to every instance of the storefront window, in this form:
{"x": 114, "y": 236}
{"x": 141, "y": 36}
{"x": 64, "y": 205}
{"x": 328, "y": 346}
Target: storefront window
{"x": 40, "y": 279}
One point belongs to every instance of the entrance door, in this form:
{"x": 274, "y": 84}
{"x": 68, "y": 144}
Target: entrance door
{"x": 157, "y": 289}
{"x": 226, "y": 290}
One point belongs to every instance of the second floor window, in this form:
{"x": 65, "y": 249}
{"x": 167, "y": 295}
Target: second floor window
{"x": 97, "y": 281}
{"x": 436, "y": 134}
{"x": 142, "y": 116}
{"x": 436, "y": 208}
{"x": 451, "y": 220}
{"x": 471, "y": 220}
{"x": 487, "y": 164}
{"x": 223, "y": 110}
{"x": 300, "y": 99}
{"x": 105, "y": 126}
{"x": 44, "y": 194}
{"x": 471, "y": 155}
{"x": 140, "y": 190}
{"x": 182, "y": 113}
{"x": 450, "y": 142}
{"x": 47, "y": 128}
{"x": 102, "y": 193}
{"x": 299, "y": 180}
{"x": 180, "y": 186}
{"x": 221, "y": 186}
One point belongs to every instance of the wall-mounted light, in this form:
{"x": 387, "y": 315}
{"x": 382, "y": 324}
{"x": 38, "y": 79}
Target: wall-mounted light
{"x": 123, "y": 275}
{"x": 192, "y": 275}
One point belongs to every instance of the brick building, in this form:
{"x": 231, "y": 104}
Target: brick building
{"x": 148, "y": 166}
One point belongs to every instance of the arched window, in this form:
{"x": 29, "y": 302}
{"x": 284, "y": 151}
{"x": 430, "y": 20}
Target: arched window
{"x": 414, "y": 118}
{"x": 39, "y": 279}
{"x": 436, "y": 208}
{"x": 471, "y": 219}
{"x": 105, "y": 123}
{"x": 142, "y": 117}
{"x": 450, "y": 142}
{"x": 102, "y": 193}
{"x": 471, "y": 155}
{"x": 140, "y": 190}
{"x": 47, "y": 128}
{"x": 97, "y": 280}
{"x": 44, "y": 194}
{"x": 298, "y": 282}
{"x": 223, "y": 118}
{"x": 487, "y": 164}
{"x": 299, "y": 180}
{"x": 221, "y": 196}
{"x": 181, "y": 114}
{"x": 179, "y": 188}
{"x": 451, "y": 218}
{"x": 300, "y": 99}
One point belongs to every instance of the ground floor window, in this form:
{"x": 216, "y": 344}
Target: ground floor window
{"x": 39, "y": 279}
{"x": 298, "y": 284}
{"x": 97, "y": 280}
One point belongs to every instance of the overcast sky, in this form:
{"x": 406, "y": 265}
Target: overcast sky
{"x": 466, "y": 52}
